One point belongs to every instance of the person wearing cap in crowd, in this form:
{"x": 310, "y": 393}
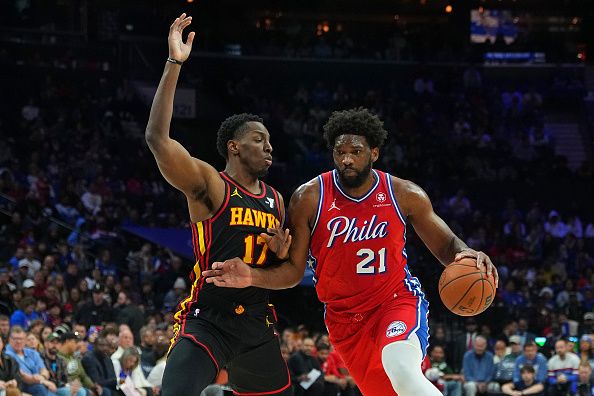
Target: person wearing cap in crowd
{"x": 586, "y": 351}
{"x": 9, "y": 373}
{"x": 55, "y": 365}
{"x": 28, "y": 287}
{"x": 24, "y": 316}
{"x": 587, "y": 325}
{"x": 74, "y": 368}
{"x": 30, "y": 262}
{"x": 175, "y": 295}
{"x": 504, "y": 370}
{"x": 98, "y": 364}
{"x": 554, "y": 226}
{"x": 96, "y": 311}
{"x": 32, "y": 370}
{"x": 533, "y": 358}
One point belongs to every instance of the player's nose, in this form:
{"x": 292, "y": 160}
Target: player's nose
{"x": 268, "y": 147}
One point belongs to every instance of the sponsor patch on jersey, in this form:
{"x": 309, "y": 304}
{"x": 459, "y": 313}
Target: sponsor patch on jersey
{"x": 395, "y": 329}
{"x": 380, "y": 197}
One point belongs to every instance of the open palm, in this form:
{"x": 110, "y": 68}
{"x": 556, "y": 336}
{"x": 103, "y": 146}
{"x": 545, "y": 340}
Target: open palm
{"x": 179, "y": 50}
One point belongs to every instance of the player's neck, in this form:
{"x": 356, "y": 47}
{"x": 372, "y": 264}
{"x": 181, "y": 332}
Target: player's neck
{"x": 247, "y": 180}
{"x": 357, "y": 192}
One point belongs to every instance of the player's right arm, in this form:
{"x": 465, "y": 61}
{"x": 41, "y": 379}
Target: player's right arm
{"x": 235, "y": 273}
{"x": 198, "y": 180}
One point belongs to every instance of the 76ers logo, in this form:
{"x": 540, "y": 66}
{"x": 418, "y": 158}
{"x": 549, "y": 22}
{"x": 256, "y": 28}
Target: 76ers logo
{"x": 395, "y": 329}
{"x": 380, "y": 197}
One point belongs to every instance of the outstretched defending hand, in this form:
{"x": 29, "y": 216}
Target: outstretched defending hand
{"x": 229, "y": 273}
{"x": 279, "y": 242}
{"x": 179, "y": 50}
{"x": 482, "y": 260}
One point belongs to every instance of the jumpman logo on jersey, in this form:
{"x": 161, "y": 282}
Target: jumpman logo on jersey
{"x": 268, "y": 322}
{"x": 236, "y": 193}
{"x": 333, "y": 206}
{"x": 270, "y": 202}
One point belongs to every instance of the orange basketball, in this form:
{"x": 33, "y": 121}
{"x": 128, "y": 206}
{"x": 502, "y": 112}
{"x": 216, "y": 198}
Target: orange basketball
{"x": 464, "y": 289}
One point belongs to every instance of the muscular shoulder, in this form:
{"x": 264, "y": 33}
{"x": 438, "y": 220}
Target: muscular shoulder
{"x": 410, "y": 196}
{"x": 304, "y": 200}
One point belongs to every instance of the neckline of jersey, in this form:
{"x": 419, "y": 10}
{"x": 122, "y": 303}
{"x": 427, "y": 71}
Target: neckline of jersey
{"x": 242, "y": 189}
{"x": 339, "y": 188}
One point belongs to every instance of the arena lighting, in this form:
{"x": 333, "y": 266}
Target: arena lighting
{"x": 189, "y": 1}
{"x": 449, "y": 8}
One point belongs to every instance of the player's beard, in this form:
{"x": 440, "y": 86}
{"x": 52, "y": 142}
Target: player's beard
{"x": 357, "y": 180}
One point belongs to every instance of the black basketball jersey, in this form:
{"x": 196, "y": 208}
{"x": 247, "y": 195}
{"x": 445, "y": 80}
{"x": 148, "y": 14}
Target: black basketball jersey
{"x": 233, "y": 231}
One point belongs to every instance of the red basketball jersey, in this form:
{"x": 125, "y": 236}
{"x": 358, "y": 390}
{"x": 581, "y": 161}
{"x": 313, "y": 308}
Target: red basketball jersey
{"x": 358, "y": 247}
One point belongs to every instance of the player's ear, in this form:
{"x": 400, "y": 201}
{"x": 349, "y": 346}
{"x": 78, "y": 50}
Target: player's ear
{"x": 374, "y": 154}
{"x": 233, "y": 147}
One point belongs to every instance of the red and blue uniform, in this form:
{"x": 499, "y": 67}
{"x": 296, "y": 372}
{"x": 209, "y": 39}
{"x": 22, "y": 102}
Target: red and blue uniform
{"x": 359, "y": 256}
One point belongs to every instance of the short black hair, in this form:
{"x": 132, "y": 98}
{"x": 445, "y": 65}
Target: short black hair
{"x": 358, "y": 121}
{"x": 528, "y": 368}
{"x": 232, "y": 128}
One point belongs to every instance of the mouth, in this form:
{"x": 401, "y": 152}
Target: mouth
{"x": 268, "y": 161}
{"x": 349, "y": 172}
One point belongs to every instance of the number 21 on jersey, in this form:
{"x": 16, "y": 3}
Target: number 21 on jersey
{"x": 372, "y": 263}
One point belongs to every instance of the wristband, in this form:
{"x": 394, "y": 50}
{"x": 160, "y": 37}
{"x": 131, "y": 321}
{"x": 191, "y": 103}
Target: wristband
{"x": 175, "y": 61}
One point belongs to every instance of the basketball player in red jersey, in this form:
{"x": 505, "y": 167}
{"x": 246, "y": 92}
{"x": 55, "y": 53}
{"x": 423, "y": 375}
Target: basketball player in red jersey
{"x": 350, "y": 226}
{"x": 230, "y": 213}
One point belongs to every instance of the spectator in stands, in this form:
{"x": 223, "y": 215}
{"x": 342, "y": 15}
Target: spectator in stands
{"x": 155, "y": 377}
{"x": 56, "y": 366}
{"x": 4, "y": 327}
{"x": 334, "y": 381}
{"x": 24, "y": 316}
{"x": 76, "y": 373}
{"x": 478, "y": 368}
{"x": 562, "y": 370}
{"x": 97, "y": 311}
{"x": 125, "y": 366}
{"x": 584, "y": 384}
{"x": 523, "y": 332}
{"x": 34, "y": 375}
{"x": 531, "y": 357}
{"x": 98, "y": 364}
{"x": 301, "y": 364}
{"x": 527, "y": 384}
{"x": 126, "y": 341}
{"x": 147, "y": 351}
{"x": 129, "y": 314}
{"x": 9, "y": 373}
{"x": 464, "y": 342}
{"x": 504, "y": 370}
{"x": 452, "y": 381}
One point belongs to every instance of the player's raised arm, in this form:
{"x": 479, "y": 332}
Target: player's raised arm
{"x": 432, "y": 230}
{"x": 179, "y": 168}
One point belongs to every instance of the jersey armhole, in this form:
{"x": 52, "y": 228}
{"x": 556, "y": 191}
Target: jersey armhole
{"x": 393, "y": 196}
{"x": 320, "y": 203}
{"x": 224, "y": 204}
{"x": 277, "y": 200}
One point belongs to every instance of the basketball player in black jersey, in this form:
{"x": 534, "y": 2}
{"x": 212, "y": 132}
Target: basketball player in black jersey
{"x": 230, "y": 212}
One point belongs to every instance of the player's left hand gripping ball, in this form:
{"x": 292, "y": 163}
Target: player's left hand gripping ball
{"x": 482, "y": 260}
